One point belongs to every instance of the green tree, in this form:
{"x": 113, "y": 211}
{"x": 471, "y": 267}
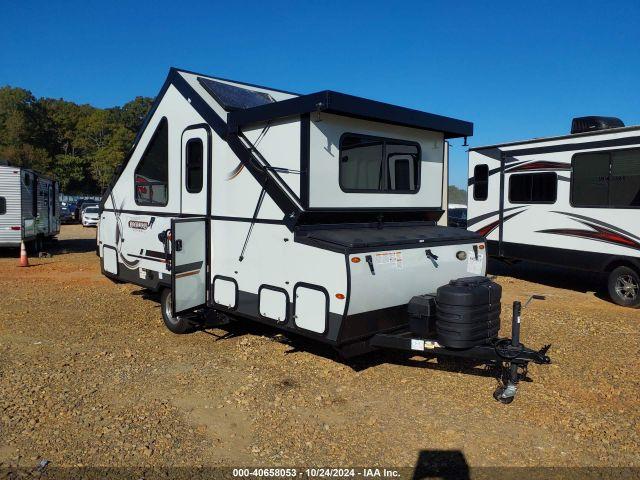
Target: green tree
{"x": 457, "y": 195}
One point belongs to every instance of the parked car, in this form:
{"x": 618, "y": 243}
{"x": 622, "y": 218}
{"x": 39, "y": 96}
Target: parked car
{"x": 66, "y": 216}
{"x": 81, "y": 205}
{"x": 457, "y": 217}
{"x": 90, "y": 216}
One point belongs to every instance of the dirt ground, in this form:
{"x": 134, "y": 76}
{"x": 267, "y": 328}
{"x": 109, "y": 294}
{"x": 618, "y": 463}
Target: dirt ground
{"x": 89, "y": 376}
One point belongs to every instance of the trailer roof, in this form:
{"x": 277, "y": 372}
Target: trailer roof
{"x": 560, "y": 137}
{"x": 351, "y": 106}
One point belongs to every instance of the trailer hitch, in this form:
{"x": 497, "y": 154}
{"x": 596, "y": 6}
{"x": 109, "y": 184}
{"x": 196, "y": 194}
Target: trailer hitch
{"x": 516, "y": 355}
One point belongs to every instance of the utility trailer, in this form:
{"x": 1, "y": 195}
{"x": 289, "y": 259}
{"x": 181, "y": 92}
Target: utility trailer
{"x": 316, "y": 214}
{"x": 29, "y": 207}
{"x": 572, "y": 200}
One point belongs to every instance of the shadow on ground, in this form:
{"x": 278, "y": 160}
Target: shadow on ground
{"x": 441, "y": 464}
{"x": 232, "y": 328}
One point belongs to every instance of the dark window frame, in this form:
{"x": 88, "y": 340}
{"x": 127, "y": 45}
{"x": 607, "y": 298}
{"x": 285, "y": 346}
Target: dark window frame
{"x": 384, "y": 140}
{"x": 3, "y": 205}
{"x": 476, "y": 197}
{"x": 146, "y": 150}
{"x": 608, "y": 206}
{"x": 533, "y": 202}
{"x": 186, "y": 164}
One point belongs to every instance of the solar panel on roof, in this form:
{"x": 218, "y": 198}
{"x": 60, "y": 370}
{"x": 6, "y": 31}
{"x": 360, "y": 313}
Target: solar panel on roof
{"x": 232, "y": 97}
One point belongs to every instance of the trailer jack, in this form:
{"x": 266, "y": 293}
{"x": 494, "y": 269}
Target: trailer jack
{"x": 512, "y": 355}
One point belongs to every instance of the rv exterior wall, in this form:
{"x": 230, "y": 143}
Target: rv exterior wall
{"x": 10, "y": 184}
{"x": 324, "y": 164}
{"x": 549, "y": 226}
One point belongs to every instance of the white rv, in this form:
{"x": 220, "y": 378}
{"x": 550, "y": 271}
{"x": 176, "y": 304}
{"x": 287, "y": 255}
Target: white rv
{"x": 315, "y": 214}
{"x": 29, "y": 207}
{"x": 572, "y": 200}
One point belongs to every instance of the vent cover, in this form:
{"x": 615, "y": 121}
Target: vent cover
{"x": 593, "y": 123}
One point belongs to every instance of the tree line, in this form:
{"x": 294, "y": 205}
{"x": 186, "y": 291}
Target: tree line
{"x": 80, "y": 145}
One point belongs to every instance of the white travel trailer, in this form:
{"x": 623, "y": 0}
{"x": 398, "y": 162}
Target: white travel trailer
{"x": 572, "y": 200}
{"x": 29, "y": 207}
{"x": 312, "y": 213}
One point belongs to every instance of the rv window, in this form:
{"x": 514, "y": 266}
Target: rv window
{"x": 533, "y": 188}
{"x": 151, "y": 177}
{"x": 481, "y": 182}
{"x": 624, "y": 183}
{"x": 194, "y": 165}
{"x": 606, "y": 179}
{"x": 590, "y": 180}
{"x": 3, "y": 205}
{"x": 375, "y": 164}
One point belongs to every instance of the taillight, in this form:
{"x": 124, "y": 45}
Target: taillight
{"x": 16, "y": 228}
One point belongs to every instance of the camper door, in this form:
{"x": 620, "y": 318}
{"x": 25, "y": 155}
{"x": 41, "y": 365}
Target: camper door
{"x": 189, "y": 266}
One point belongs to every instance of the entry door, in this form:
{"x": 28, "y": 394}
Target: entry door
{"x": 196, "y": 161}
{"x": 189, "y": 264}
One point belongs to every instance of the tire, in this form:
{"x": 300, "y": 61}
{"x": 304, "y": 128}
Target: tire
{"x": 624, "y": 287}
{"x": 177, "y": 325}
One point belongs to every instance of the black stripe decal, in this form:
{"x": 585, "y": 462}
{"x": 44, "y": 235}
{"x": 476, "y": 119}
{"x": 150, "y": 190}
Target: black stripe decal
{"x": 479, "y": 218}
{"x": 599, "y": 222}
{"x": 187, "y": 267}
{"x": 267, "y": 221}
{"x": 152, "y": 259}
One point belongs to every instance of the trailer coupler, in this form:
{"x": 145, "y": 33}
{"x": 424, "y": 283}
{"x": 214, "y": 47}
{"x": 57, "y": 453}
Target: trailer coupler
{"x": 509, "y": 353}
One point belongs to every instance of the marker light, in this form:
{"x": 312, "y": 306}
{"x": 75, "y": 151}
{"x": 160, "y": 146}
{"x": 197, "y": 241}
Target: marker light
{"x": 355, "y": 259}
{"x": 339, "y": 296}
{"x": 481, "y": 246}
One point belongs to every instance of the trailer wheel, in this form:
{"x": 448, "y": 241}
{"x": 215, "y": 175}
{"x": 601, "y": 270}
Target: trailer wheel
{"x": 177, "y": 325}
{"x": 624, "y": 287}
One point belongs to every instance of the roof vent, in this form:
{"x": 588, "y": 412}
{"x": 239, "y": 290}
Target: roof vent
{"x": 592, "y": 123}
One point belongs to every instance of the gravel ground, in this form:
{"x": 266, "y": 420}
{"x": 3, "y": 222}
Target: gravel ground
{"x": 89, "y": 376}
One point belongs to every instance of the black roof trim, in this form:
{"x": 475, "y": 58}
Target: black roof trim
{"x": 351, "y": 106}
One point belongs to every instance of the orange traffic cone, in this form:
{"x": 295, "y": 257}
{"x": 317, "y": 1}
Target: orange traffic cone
{"x": 24, "y": 260}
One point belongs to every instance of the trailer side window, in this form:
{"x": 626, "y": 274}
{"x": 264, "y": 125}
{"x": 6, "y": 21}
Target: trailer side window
{"x": 533, "y": 187}
{"x": 481, "y": 182}
{"x": 193, "y": 163}
{"x": 151, "y": 177}
{"x": 376, "y": 164}
{"x": 590, "y": 180}
{"x": 3, "y": 205}
{"x": 606, "y": 179}
{"x": 624, "y": 183}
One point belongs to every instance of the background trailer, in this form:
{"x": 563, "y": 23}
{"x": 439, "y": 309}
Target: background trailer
{"x": 29, "y": 207}
{"x": 572, "y": 200}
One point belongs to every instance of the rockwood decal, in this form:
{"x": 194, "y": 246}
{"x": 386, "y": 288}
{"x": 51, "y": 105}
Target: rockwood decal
{"x": 139, "y": 224}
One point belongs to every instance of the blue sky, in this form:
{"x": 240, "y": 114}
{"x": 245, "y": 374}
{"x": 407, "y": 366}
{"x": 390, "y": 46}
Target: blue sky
{"x": 515, "y": 69}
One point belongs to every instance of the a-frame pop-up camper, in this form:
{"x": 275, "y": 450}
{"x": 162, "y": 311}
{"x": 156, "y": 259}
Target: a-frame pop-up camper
{"x": 313, "y": 213}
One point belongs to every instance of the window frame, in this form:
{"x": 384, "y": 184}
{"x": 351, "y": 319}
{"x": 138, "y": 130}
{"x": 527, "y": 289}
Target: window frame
{"x": 186, "y": 165}
{"x": 532, "y": 202}
{"x": 571, "y": 183}
{"x": 385, "y": 158}
{"x": 475, "y": 183}
{"x": 135, "y": 171}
